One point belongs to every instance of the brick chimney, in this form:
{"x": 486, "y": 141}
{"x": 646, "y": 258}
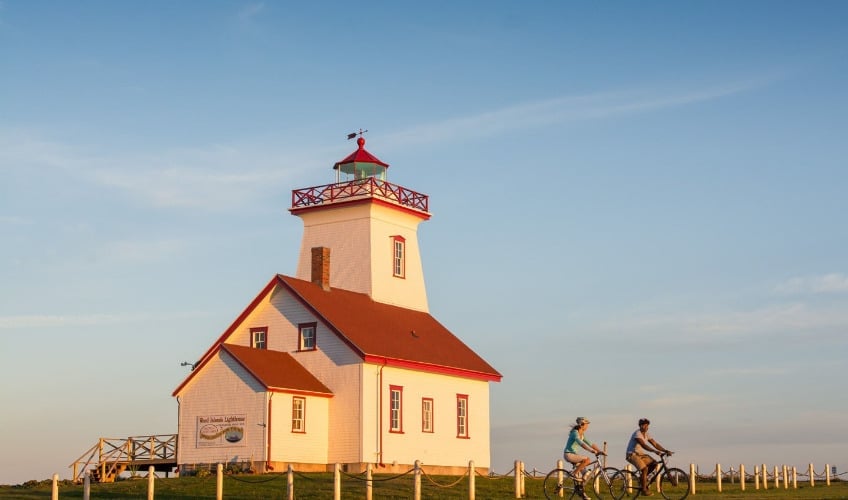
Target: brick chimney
{"x": 321, "y": 267}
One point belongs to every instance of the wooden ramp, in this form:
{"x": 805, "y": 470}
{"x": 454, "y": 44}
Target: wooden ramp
{"x": 111, "y": 457}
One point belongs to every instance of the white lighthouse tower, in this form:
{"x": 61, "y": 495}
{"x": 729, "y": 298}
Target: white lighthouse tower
{"x": 361, "y": 233}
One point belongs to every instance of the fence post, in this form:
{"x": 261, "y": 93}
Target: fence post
{"x": 55, "y": 494}
{"x": 742, "y": 476}
{"x": 785, "y": 477}
{"x": 776, "y": 478}
{"x": 718, "y": 477}
{"x": 416, "y": 489}
{"x": 86, "y": 486}
{"x": 337, "y": 481}
{"x": 756, "y": 477}
{"x": 795, "y": 477}
{"x": 812, "y": 476}
{"x": 517, "y": 470}
{"x": 219, "y": 483}
{"x": 560, "y": 477}
{"x": 369, "y": 484}
{"x": 290, "y": 483}
{"x": 522, "y": 479}
{"x": 471, "y": 480}
{"x": 765, "y": 477}
{"x": 827, "y": 474}
{"x": 692, "y": 476}
{"x": 150, "y": 478}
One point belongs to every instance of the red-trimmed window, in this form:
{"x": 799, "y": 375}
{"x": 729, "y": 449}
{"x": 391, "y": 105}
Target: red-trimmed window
{"x": 298, "y": 414}
{"x": 426, "y": 414}
{"x": 307, "y": 336}
{"x": 462, "y": 415}
{"x": 259, "y": 337}
{"x": 398, "y": 256}
{"x": 395, "y": 408}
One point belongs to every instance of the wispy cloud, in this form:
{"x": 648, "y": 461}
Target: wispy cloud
{"x": 564, "y": 109}
{"x": 59, "y": 321}
{"x": 141, "y": 251}
{"x": 14, "y": 220}
{"x": 216, "y": 178}
{"x": 795, "y": 319}
{"x": 827, "y": 283}
{"x": 250, "y": 11}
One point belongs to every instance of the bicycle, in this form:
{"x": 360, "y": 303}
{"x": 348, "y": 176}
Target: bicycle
{"x": 673, "y": 483}
{"x": 597, "y": 480}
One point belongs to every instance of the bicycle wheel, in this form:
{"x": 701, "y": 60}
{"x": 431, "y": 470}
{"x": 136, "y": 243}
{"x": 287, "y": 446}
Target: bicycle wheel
{"x": 674, "y": 484}
{"x": 625, "y": 484}
{"x": 599, "y": 485}
{"x": 558, "y": 484}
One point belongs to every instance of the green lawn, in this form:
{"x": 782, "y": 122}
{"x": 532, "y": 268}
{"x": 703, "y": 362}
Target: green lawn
{"x": 320, "y": 486}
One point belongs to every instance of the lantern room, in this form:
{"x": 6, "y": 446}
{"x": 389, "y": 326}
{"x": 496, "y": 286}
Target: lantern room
{"x": 360, "y": 165}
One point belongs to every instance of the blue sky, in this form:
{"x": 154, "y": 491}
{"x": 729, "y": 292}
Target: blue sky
{"x": 638, "y": 208}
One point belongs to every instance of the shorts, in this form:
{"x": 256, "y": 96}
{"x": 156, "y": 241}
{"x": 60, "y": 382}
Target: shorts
{"x": 640, "y": 461}
{"x": 574, "y": 458}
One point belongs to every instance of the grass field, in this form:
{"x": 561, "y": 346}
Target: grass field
{"x": 320, "y": 486}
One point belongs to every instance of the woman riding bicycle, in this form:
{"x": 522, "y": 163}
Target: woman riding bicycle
{"x": 577, "y": 440}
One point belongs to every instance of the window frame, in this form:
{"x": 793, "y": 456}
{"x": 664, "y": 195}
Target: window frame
{"x": 396, "y": 412}
{"x": 253, "y": 341}
{"x": 462, "y": 431}
{"x": 399, "y": 256}
{"x": 302, "y": 420}
{"x": 427, "y": 415}
{"x": 301, "y": 344}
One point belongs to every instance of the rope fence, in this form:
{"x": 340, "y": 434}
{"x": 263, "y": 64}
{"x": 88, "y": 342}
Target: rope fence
{"x": 760, "y": 476}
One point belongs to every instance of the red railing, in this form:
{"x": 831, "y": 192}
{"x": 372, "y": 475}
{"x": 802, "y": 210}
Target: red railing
{"x": 370, "y": 187}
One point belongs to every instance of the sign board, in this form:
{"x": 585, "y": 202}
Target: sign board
{"x": 221, "y": 430}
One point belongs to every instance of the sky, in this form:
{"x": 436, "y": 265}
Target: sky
{"x": 638, "y": 208}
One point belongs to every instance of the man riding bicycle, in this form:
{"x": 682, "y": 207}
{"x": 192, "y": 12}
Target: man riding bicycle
{"x": 636, "y": 448}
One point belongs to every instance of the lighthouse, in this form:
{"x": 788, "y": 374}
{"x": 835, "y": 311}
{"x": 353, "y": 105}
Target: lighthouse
{"x": 360, "y": 233}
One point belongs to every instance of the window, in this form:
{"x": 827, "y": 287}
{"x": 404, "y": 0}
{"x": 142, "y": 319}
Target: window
{"x": 398, "y": 256}
{"x": 395, "y": 408}
{"x": 427, "y": 415}
{"x": 298, "y": 414}
{"x": 259, "y": 338}
{"x": 306, "y": 333}
{"x": 462, "y": 415}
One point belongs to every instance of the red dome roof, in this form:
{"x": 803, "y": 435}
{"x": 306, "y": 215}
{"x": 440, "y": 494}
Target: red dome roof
{"x": 360, "y": 156}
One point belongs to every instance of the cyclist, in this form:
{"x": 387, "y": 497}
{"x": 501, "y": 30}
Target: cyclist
{"x": 636, "y": 448}
{"x": 577, "y": 440}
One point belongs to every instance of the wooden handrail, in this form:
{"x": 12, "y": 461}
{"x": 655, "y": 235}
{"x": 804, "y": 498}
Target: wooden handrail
{"x": 110, "y": 452}
{"x": 370, "y": 187}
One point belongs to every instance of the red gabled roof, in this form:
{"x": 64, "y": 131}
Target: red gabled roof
{"x": 277, "y": 371}
{"x": 390, "y": 334}
{"x": 360, "y": 156}
{"x": 377, "y": 332}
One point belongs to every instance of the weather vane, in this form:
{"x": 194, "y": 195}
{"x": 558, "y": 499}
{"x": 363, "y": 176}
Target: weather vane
{"x": 354, "y": 134}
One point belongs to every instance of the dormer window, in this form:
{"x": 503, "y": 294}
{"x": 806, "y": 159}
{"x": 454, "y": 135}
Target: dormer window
{"x": 306, "y": 336}
{"x": 259, "y": 338}
{"x": 398, "y": 256}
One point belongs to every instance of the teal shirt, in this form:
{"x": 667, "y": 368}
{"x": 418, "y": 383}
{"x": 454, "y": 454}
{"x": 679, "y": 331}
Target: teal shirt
{"x": 573, "y": 444}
